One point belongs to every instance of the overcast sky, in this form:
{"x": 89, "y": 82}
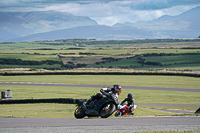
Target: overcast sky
{"x": 105, "y": 12}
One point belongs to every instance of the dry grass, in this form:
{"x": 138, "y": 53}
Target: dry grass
{"x": 102, "y": 70}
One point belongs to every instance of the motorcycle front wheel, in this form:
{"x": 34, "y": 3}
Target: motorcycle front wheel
{"x": 107, "y": 110}
{"x": 118, "y": 113}
{"x": 80, "y": 112}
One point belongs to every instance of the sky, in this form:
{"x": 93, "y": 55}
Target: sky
{"x": 105, "y": 12}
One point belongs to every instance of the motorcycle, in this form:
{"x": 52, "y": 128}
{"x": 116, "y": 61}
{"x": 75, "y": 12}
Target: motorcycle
{"x": 123, "y": 110}
{"x": 103, "y": 107}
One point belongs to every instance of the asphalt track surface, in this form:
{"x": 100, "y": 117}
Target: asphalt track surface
{"x": 100, "y": 86}
{"x": 121, "y": 124}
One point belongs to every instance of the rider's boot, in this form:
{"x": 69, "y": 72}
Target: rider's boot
{"x": 131, "y": 111}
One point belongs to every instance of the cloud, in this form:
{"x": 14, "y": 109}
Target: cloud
{"x": 162, "y": 4}
{"x": 112, "y": 12}
{"x": 105, "y": 12}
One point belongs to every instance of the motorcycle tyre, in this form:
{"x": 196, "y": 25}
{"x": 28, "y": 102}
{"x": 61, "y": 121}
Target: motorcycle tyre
{"x": 81, "y": 115}
{"x": 109, "y": 113}
{"x": 118, "y": 114}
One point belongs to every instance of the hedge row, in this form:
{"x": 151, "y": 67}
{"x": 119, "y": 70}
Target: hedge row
{"x": 58, "y": 100}
{"x": 5, "y": 61}
{"x": 104, "y": 73}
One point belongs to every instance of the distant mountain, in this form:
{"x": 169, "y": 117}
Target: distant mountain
{"x": 89, "y": 32}
{"x": 189, "y": 20}
{"x": 41, "y": 26}
{"x": 11, "y": 25}
{"x": 6, "y": 35}
{"x": 185, "y": 25}
{"x": 27, "y": 23}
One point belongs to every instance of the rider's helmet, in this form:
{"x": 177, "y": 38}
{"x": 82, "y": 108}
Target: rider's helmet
{"x": 117, "y": 89}
{"x": 129, "y": 96}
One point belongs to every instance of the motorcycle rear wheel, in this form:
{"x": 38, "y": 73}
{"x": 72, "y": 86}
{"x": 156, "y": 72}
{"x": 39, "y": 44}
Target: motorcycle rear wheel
{"x": 107, "y": 110}
{"x": 80, "y": 112}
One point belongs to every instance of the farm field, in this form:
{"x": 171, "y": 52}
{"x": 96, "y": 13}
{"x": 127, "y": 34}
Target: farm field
{"x": 102, "y": 44}
{"x": 68, "y": 54}
{"x": 175, "y": 60}
{"x": 100, "y": 51}
{"x": 30, "y": 57}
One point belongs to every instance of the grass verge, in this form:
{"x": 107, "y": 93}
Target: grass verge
{"x": 123, "y": 80}
{"x": 59, "y": 111}
{"x": 140, "y": 96}
{"x": 66, "y": 111}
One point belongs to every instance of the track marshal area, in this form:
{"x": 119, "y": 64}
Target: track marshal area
{"x": 120, "y": 124}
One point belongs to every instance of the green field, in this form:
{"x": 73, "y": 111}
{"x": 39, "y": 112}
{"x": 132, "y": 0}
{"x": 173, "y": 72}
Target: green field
{"x": 32, "y": 67}
{"x": 30, "y": 57}
{"x": 141, "y": 96}
{"x": 126, "y": 80}
{"x": 170, "y": 54}
{"x": 101, "y": 51}
{"x": 120, "y": 61}
{"x": 67, "y": 51}
{"x": 45, "y": 52}
{"x": 172, "y": 61}
{"x": 79, "y": 53}
{"x": 99, "y": 44}
{"x": 182, "y": 60}
{"x": 166, "y": 51}
{"x": 66, "y": 111}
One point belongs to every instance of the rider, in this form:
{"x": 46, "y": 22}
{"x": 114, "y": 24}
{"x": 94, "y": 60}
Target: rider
{"x": 116, "y": 90}
{"x": 130, "y": 103}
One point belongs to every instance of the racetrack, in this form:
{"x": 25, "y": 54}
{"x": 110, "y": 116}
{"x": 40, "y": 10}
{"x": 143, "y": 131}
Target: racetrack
{"x": 100, "y": 86}
{"x": 124, "y": 87}
{"x": 121, "y": 124}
